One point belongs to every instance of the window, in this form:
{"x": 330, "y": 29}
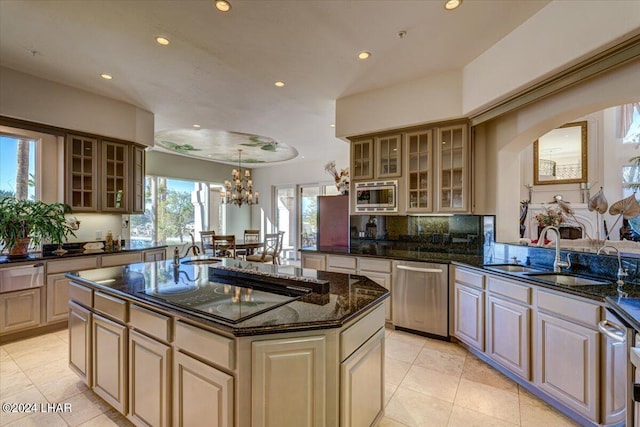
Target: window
{"x": 174, "y": 209}
{"x": 17, "y": 167}
{"x": 629, "y": 123}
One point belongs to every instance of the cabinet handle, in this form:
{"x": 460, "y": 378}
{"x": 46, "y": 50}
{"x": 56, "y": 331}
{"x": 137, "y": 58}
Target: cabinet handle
{"x": 419, "y": 270}
{"x": 618, "y": 334}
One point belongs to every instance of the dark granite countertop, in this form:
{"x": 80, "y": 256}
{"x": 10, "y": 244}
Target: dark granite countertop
{"x": 348, "y": 295}
{"x": 76, "y": 250}
{"x": 596, "y": 292}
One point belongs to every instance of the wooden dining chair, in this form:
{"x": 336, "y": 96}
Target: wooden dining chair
{"x": 269, "y": 249}
{"x": 250, "y": 236}
{"x": 224, "y": 245}
{"x": 277, "y": 259}
{"x": 206, "y": 241}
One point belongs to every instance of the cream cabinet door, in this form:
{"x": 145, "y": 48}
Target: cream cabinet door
{"x": 80, "y": 342}
{"x": 154, "y": 255}
{"x": 314, "y": 262}
{"x": 149, "y": 379}
{"x": 202, "y": 395}
{"x": 509, "y": 335}
{"x": 567, "y": 364}
{"x": 109, "y": 357}
{"x": 362, "y": 159}
{"x": 19, "y": 310}
{"x": 362, "y": 384}
{"x": 469, "y": 315}
{"x": 288, "y": 382}
{"x": 57, "y": 297}
{"x": 384, "y": 280}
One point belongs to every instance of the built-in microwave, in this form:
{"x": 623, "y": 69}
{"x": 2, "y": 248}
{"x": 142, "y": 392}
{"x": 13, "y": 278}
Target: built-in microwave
{"x": 376, "y": 196}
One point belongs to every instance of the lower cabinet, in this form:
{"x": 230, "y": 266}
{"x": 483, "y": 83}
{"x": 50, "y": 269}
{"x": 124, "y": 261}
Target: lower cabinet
{"x": 509, "y": 335}
{"x": 109, "y": 357}
{"x": 469, "y": 315}
{"x": 203, "y": 395}
{"x": 57, "y": 297}
{"x": 154, "y": 255}
{"x": 288, "y": 382}
{"x": 19, "y": 310}
{"x": 361, "y": 384}
{"x": 567, "y": 357}
{"x": 149, "y": 379}
{"x": 313, "y": 261}
{"x": 80, "y": 342}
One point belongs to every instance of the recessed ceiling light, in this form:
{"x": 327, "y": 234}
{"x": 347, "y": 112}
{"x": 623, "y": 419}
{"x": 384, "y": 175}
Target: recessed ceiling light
{"x": 279, "y": 84}
{"x": 162, "y": 40}
{"x": 106, "y": 76}
{"x": 223, "y": 5}
{"x": 364, "y": 55}
{"x": 196, "y": 126}
{"x": 452, "y": 4}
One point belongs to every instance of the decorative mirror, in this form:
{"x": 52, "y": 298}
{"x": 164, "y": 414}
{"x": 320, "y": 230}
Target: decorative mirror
{"x": 560, "y": 156}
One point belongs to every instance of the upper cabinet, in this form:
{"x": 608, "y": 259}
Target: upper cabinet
{"x": 388, "y": 156}
{"x": 431, "y": 162}
{"x": 453, "y": 168}
{"x": 362, "y": 159}
{"x": 103, "y": 176}
{"x": 419, "y": 167}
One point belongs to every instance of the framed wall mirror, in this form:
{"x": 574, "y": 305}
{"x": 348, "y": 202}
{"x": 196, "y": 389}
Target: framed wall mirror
{"x": 560, "y": 156}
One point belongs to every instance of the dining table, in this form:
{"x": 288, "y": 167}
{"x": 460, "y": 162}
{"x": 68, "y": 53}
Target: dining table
{"x": 250, "y": 246}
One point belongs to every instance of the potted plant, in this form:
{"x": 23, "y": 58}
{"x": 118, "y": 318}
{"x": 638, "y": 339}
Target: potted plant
{"x": 27, "y": 221}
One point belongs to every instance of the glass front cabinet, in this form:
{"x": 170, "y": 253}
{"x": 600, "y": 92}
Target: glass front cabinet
{"x": 362, "y": 159}
{"x": 388, "y": 156}
{"x": 453, "y": 168}
{"x": 419, "y": 167}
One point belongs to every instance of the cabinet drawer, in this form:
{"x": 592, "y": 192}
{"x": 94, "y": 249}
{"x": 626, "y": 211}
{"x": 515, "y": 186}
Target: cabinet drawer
{"x": 470, "y": 278}
{"x": 121, "y": 259}
{"x": 75, "y": 264}
{"x": 341, "y": 262}
{"x": 150, "y": 322}
{"x": 111, "y": 306}
{"x": 80, "y": 294}
{"x": 379, "y": 265}
{"x": 354, "y": 336}
{"x": 509, "y": 289}
{"x": 569, "y": 308}
{"x": 205, "y": 344}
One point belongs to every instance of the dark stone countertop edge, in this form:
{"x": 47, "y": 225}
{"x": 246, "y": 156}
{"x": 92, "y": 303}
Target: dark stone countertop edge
{"x": 38, "y": 256}
{"x": 597, "y": 293}
{"x": 228, "y": 327}
{"x": 620, "y": 311}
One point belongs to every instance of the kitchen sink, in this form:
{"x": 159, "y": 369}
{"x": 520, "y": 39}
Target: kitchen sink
{"x": 567, "y": 279}
{"x": 201, "y": 260}
{"x": 510, "y": 268}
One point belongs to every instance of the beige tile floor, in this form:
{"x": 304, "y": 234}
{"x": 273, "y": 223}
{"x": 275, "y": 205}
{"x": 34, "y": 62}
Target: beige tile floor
{"x": 428, "y": 383}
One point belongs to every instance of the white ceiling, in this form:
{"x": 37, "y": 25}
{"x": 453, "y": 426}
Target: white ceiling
{"x": 220, "y": 68}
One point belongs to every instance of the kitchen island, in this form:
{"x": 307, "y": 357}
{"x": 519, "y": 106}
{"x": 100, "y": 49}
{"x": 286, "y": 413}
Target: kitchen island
{"x": 230, "y": 344}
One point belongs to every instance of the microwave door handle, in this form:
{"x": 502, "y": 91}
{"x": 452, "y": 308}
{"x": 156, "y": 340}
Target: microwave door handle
{"x": 419, "y": 270}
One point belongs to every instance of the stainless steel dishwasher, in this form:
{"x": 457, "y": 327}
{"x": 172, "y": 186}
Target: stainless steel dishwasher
{"x": 421, "y": 297}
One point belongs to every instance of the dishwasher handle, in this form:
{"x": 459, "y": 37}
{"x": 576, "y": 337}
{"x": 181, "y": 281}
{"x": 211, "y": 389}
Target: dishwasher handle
{"x": 612, "y": 330}
{"x": 419, "y": 269}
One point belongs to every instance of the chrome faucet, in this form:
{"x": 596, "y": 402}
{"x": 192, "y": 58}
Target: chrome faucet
{"x": 177, "y": 257}
{"x": 558, "y": 264}
{"x": 621, "y": 272}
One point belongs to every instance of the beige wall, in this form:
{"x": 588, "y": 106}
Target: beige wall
{"x": 554, "y": 38}
{"x": 42, "y": 101}
{"x": 502, "y": 140}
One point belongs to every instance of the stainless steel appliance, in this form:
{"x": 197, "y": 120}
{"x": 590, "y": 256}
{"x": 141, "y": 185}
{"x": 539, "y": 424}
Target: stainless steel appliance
{"x": 421, "y": 297}
{"x": 376, "y": 196}
{"x": 616, "y": 373}
{"x": 22, "y": 276}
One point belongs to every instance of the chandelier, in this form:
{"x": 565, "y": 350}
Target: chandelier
{"x": 240, "y": 190}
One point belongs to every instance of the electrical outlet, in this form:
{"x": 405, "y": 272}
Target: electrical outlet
{"x": 98, "y": 235}
{"x": 125, "y": 222}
